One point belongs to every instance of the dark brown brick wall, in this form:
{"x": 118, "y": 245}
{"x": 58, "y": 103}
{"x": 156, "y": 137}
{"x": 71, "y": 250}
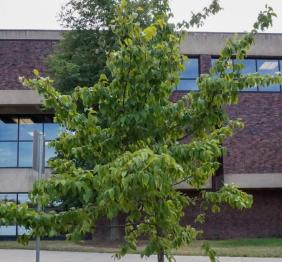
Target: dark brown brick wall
{"x": 205, "y": 64}
{"x": 257, "y": 148}
{"x": 19, "y": 58}
{"x": 264, "y": 219}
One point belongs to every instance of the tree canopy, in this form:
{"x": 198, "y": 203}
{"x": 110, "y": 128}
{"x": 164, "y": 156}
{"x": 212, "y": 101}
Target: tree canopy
{"x": 122, "y": 153}
{"x": 80, "y": 57}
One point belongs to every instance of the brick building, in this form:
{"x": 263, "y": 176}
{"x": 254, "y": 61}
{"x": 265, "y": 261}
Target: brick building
{"x": 254, "y": 158}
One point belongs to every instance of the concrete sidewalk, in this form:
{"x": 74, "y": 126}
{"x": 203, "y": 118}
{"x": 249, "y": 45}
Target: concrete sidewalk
{"x": 7, "y": 255}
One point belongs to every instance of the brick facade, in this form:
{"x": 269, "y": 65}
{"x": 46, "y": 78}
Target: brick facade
{"x": 257, "y": 148}
{"x": 264, "y": 219}
{"x": 19, "y": 58}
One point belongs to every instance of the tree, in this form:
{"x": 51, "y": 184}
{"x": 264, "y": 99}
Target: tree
{"x": 121, "y": 151}
{"x": 81, "y": 55}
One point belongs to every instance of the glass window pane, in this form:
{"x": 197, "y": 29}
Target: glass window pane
{"x": 28, "y": 126}
{"x": 228, "y": 71}
{"x": 8, "y": 128}
{"x": 249, "y": 68}
{"x": 271, "y": 88}
{"x": 25, "y": 154}
{"x": 250, "y": 89}
{"x": 8, "y": 197}
{"x": 213, "y": 61}
{"x": 191, "y": 69}
{"x": 8, "y": 154}
{"x": 187, "y": 85}
{"x": 23, "y": 230}
{"x": 49, "y": 152}
{"x": 7, "y": 230}
{"x": 267, "y": 66}
{"x": 23, "y": 198}
{"x": 51, "y": 131}
{"x": 249, "y": 65}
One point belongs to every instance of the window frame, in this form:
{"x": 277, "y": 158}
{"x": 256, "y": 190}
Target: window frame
{"x": 191, "y": 79}
{"x": 43, "y": 118}
{"x": 16, "y": 225}
{"x": 256, "y": 58}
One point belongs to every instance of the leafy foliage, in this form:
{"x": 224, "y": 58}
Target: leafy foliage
{"x": 122, "y": 151}
{"x": 81, "y": 56}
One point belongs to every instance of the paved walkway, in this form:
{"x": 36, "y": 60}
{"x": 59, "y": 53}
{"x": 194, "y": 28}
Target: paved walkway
{"x": 50, "y": 256}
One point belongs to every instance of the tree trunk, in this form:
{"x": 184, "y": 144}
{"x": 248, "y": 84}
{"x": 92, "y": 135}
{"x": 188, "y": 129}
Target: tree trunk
{"x": 161, "y": 256}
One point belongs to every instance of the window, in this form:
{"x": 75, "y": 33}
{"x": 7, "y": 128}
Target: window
{"x": 16, "y": 136}
{"x": 250, "y": 67}
{"x": 261, "y": 66}
{"x": 13, "y": 230}
{"x": 268, "y": 67}
{"x": 189, "y": 76}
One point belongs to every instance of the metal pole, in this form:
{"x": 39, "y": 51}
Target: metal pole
{"x": 40, "y": 169}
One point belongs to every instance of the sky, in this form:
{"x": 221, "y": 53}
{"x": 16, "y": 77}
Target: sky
{"x": 237, "y": 16}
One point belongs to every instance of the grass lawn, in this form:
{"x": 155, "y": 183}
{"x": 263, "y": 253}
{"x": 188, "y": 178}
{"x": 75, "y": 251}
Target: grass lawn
{"x": 271, "y": 247}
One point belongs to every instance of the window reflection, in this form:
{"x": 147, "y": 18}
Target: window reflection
{"x": 8, "y": 197}
{"x": 227, "y": 71}
{"x": 25, "y": 154}
{"x": 51, "y": 131}
{"x": 49, "y": 152}
{"x": 16, "y": 137}
{"x": 28, "y": 126}
{"x": 189, "y": 76}
{"x": 187, "y": 85}
{"x": 8, "y": 154}
{"x": 13, "y": 230}
{"x": 22, "y": 231}
{"x": 268, "y": 67}
{"x": 249, "y": 68}
{"x": 23, "y": 198}
{"x": 8, "y": 128}
{"x": 191, "y": 69}
{"x": 8, "y": 231}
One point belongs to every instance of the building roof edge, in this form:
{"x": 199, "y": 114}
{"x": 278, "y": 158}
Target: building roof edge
{"x": 31, "y": 34}
{"x": 46, "y": 34}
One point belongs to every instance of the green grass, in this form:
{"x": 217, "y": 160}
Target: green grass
{"x": 264, "y": 247}
{"x": 271, "y": 247}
